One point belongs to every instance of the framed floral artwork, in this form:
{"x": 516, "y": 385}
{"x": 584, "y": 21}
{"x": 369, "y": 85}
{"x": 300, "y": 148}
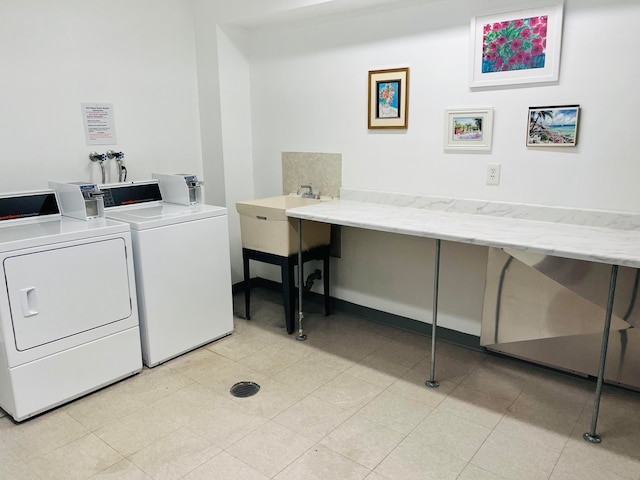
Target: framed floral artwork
{"x": 469, "y": 129}
{"x": 388, "y": 98}
{"x": 517, "y": 47}
{"x": 553, "y": 126}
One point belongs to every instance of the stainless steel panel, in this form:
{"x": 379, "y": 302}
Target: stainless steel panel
{"x": 550, "y": 310}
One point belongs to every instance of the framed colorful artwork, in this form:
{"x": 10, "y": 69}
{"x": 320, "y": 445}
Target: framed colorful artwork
{"x": 517, "y": 47}
{"x": 388, "y": 98}
{"x": 553, "y": 126}
{"x": 469, "y": 129}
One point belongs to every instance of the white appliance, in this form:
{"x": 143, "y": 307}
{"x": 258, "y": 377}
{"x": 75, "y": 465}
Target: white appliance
{"x": 68, "y": 316}
{"x": 182, "y": 188}
{"x": 182, "y": 265}
{"x": 79, "y": 200}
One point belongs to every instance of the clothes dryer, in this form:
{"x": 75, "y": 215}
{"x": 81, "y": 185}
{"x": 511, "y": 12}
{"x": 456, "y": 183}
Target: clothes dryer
{"x": 182, "y": 265}
{"x": 68, "y": 308}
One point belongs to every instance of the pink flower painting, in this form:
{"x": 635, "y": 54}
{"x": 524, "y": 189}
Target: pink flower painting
{"x": 518, "y": 44}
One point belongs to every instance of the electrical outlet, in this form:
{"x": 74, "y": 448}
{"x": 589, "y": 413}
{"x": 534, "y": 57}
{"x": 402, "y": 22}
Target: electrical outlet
{"x": 493, "y": 174}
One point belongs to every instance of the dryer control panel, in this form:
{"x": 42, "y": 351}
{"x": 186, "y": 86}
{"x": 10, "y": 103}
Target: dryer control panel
{"x": 118, "y": 195}
{"x": 28, "y": 205}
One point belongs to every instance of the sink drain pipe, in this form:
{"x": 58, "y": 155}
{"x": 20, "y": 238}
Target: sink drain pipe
{"x": 316, "y": 275}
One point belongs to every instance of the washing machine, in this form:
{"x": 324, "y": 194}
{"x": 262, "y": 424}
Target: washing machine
{"x": 182, "y": 265}
{"x": 68, "y": 316}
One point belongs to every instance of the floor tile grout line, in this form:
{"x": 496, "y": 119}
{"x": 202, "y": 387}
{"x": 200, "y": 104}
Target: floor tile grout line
{"x": 493, "y": 429}
{"x": 361, "y": 407}
{"x": 406, "y": 435}
{"x": 237, "y": 359}
{"x": 245, "y": 463}
{"x": 319, "y": 442}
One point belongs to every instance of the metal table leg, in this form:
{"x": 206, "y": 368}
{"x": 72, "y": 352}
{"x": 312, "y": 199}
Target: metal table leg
{"x": 591, "y": 435}
{"x": 301, "y": 336}
{"x": 436, "y": 279}
{"x": 247, "y": 284}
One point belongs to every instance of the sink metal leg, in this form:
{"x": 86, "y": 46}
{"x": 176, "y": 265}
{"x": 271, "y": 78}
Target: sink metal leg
{"x": 327, "y": 283}
{"x": 591, "y": 435}
{"x": 301, "y": 336}
{"x": 289, "y": 293}
{"x": 436, "y": 279}
{"x": 247, "y": 285}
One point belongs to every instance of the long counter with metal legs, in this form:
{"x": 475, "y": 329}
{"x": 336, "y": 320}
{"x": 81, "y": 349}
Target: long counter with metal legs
{"x": 602, "y": 244}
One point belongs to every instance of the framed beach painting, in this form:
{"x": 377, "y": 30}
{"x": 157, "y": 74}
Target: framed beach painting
{"x": 469, "y": 129}
{"x": 553, "y": 126}
{"x": 517, "y": 47}
{"x": 388, "y": 98}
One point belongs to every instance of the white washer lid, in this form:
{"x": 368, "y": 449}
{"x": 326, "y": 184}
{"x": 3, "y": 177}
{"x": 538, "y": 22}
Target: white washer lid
{"x": 160, "y": 215}
{"x": 57, "y": 230}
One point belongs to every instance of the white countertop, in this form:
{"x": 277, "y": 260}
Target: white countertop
{"x": 592, "y": 243}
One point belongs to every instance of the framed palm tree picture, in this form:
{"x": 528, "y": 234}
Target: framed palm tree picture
{"x": 555, "y": 126}
{"x": 469, "y": 129}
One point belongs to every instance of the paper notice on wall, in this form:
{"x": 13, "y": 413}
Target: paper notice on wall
{"x": 99, "y": 124}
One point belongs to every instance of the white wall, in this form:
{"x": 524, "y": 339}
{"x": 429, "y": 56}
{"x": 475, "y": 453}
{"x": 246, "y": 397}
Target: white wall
{"x": 139, "y": 56}
{"x": 309, "y": 93}
{"x": 209, "y": 101}
{"x": 235, "y": 108}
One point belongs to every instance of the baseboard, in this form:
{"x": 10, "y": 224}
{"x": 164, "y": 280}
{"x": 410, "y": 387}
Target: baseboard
{"x": 377, "y": 316}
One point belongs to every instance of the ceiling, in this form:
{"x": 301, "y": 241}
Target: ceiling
{"x": 265, "y": 13}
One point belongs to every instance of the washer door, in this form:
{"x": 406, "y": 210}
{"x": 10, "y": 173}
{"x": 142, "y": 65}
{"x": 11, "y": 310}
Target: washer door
{"x": 57, "y": 293}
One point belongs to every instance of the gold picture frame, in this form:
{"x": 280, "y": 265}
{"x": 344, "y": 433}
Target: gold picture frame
{"x": 388, "y": 98}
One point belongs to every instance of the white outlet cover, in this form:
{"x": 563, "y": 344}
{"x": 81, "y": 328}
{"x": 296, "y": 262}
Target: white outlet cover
{"x": 493, "y": 174}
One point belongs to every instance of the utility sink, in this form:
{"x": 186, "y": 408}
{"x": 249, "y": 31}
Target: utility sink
{"x": 265, "y": 227}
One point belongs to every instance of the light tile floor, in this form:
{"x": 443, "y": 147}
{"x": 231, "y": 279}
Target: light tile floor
{"x": 349, "y": 403}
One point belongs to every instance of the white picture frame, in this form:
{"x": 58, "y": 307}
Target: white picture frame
{"x": 469, "y": 129}
{"x": 516, "y": 47}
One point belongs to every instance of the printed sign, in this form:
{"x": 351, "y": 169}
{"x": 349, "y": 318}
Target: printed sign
{"x": 99, "y": 124}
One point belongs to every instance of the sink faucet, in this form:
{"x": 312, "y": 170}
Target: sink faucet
{"x": 306, "y": 191}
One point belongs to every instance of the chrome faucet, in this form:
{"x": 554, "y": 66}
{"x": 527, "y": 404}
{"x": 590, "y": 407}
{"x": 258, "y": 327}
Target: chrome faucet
{"x": 100, "y": 158}
{"x": 122, "y": 170}
{"x": 306, "y": 191}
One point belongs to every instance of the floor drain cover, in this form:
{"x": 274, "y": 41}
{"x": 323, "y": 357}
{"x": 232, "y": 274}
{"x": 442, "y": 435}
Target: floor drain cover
{"x": 245, "y": 389}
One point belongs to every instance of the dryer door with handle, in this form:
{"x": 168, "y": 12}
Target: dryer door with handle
{"x": 60, "y": 292}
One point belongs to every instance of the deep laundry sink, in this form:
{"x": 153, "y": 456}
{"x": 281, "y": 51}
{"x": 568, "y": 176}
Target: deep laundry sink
{"x": 265, "y": 227}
